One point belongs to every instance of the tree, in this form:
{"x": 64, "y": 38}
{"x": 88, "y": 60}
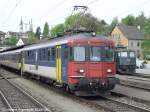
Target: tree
{"x": 32, "y": 37}
{"x": 146, "y": 46}
{"x": 110, "y": 27}
{"x": 38, "y": 32}
{"x": 114, "y": 22}
{"x": 141, "y": 21}
{"x": 146, "y": 42}
{"x": 147, "y": 29}
{"x": 12, "y": 41}
{"x": 46, "y": 30}
{"x": 88, "y": 21}
{"x": 129, "y": 20}
{"x": 57, "y": 29}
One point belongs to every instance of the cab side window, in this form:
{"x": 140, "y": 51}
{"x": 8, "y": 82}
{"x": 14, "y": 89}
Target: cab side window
{"x": 66, "y": 53}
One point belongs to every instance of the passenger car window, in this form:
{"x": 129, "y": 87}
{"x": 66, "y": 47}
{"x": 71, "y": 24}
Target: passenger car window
{"x": 53, "y": 53}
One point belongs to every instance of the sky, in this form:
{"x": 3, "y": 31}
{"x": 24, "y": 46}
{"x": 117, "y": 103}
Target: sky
{"x": 55, "y": 11}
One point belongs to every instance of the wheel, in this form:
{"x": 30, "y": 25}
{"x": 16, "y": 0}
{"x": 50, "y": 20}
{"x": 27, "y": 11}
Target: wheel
{"x": 69, "y": 90}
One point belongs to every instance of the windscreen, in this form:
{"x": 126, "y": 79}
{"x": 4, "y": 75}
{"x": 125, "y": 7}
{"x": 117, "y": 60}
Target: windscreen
{"x": 124, "y": 54}
{"x": 93, "y": 53}
{"x": 131, "y": 54}
{"x": 79, "y": 53}
{"x": 100, "y": 53}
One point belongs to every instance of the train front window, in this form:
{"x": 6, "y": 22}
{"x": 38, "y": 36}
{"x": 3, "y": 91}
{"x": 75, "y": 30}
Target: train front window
{"x": 107, "y": 53}
{"x": 95, "y": 54}
{"x": 124, "y": 54}
{"x": 79, "y": 53}
{"x": 101, "y": 54}
{"x": 132, "y": 54}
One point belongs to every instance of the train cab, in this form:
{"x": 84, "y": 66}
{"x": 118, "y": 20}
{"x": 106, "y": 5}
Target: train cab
{"x": 125, "y": 61}
{"x": 91, "y": 65}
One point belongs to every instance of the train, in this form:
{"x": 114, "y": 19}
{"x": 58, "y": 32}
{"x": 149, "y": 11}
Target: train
{"x": 81, "y": 62}
{"x": 125, "y": 61}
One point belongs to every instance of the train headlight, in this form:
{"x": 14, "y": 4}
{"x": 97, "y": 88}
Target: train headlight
{"x": 93, "y": 34}
{"x": 81, "y": 71}
{"x": 109, "y": 70}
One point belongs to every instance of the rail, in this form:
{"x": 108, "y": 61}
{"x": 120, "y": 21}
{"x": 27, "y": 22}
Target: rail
{"x": 35, "y": 104}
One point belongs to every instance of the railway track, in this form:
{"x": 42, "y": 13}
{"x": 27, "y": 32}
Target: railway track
{"x": 108, "y": 103}
{"x": 16, "y": 99}
{"x": 4, "y": 104}
{"x": 134, "y": 81}
{"x": 141, "y": 75}
{"x": 138, "y": 78}
{"x": 123, "y": 104}
{"x": 138, "y": 75}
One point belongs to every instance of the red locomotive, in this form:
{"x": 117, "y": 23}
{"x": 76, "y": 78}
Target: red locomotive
{"x": 92, "y": 68}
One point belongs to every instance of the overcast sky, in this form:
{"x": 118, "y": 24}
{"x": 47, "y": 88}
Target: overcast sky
{"x": 55, "y": 11}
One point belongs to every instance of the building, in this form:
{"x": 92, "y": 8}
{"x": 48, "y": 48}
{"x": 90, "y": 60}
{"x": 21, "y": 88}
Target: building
{"x": 10, "y": 34}
{"x": 24, "y": 35}
{"x": 128, "y": 36}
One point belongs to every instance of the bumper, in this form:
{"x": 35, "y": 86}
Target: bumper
{"x": 129, "y": 69}
{"x": 95, "y": 84}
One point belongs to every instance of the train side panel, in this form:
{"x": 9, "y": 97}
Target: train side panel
{"x": 11, "y": 60}
{"x": 38, "y": 63}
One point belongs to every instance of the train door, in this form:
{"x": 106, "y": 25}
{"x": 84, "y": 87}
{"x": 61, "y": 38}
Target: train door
{"x": 64, "y": 57}
{"x": 22, "y": 61}
{"x": 36, "y": 59}
{"x": 58, "y": 64}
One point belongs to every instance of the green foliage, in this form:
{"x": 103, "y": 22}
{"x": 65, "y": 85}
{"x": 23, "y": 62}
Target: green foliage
{"x": 88, "y": 21}
{"x": 129, "y": 20}
{"x": 72, "y": 21}
{"x": 46, "y": 30}
{"x": 114, "y": 22}
{"x": 110, "y": 27}
{"x": 32, "y": 37}
{"x": 147, "y": 29}
{"x": 141, "y": 21}
{"x": 146, "y": 46}
{"x": 38, "y": 32}
{"x": 75, "y": 21}
{"x": 57, "y": 29}
{"x": 12, "y": 41}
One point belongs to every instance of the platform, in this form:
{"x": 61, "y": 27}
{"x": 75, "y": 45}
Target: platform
{"x": 146, "y": 70}
{"x": 133, "y": 92}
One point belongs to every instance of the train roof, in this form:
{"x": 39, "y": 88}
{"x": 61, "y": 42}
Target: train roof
{"x": 65, "y": 39}
{"x": 124, "y": 50}
{"x": 13, "y": 48}
{"x": 59, "y": 40}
